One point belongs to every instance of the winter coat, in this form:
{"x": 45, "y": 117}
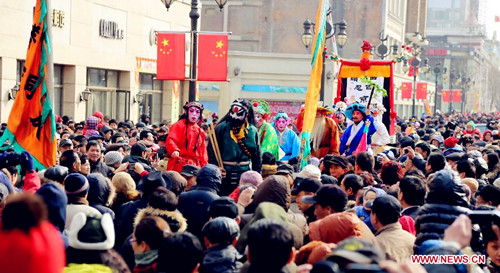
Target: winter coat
{"x": 194, "y": 204}
{"x": 100, "y": 167}
{"x": 174, "y": 219}
{"x": 189, "y": 140}
{"x": 396, "y": 242}
{"x": 272, "y": 211}
{"x": 433, "y": 219}
{"x": 100, "y": 194}
{"x": 124, "y": 220}
{"x": 444, "y": 203}
{"x": 109, "y": 258}
{"x": 56, "y": 200}
{"x": 221, "y": 259}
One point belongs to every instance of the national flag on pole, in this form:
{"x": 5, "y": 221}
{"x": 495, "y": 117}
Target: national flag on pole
{"x": 314, "y": 85}
{"x": 457, "y": 95}
{"x": 31, "y": 126}
{"x": 212, "y": 57}
{"x": 445, "y": 95}
{"x": 406, "y": 88}
{"x": 421, "y": 91}
{"x": 170, "y": 62}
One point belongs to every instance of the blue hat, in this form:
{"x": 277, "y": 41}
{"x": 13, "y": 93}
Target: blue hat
{"x": 281, "y": 114}
{"x": 355, "y": 107}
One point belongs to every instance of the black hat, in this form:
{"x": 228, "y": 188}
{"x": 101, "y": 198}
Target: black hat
{"x": 190, "y": 170}
{"x": 338, "y": 160}
{"x": 221, "y": 230}
{"x": 96, "y": 137}
{"x": 150, "y": 182}
{"x": 387, "y": 205}
{"x": 305, "y": 184}
{"x": 56, "y": 173}
{"x": 285, "y": 169}
{"x": 454, "y": 156}
{"x": 65, "y": 142}
{"x": 358, "y": 251}
{"x": 223, "y": 206}
{"x": 138, "y": 148}
{"x": 328, "y": 195}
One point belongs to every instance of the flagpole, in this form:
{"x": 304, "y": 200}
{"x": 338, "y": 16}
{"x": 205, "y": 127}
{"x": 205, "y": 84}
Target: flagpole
{"x": 50, "y": 59}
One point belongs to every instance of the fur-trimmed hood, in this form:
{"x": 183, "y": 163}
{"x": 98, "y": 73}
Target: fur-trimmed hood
{"x": 175, "y": 220}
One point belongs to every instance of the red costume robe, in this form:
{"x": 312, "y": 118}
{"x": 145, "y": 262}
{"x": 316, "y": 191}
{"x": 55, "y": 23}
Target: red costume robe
{"x": 189, "y": 140}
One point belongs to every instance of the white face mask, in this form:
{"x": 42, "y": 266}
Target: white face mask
{"x": 238, "y": 112}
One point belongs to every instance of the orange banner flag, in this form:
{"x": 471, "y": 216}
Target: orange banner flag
{"x": 31, "y": 124}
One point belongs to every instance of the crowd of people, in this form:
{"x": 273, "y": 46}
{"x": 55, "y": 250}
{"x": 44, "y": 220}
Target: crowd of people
{"x": 234, "y": 195}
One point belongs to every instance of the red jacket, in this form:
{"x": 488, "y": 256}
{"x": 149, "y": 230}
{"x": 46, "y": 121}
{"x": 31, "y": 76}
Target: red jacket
{"x": 189, "y": 141}
{"x": 474, "y": 132}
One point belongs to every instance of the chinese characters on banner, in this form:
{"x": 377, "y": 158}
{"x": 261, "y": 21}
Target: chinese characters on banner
{"x": 359, "y": 92}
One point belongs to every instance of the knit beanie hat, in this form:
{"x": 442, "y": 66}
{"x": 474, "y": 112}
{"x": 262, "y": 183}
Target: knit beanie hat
{"x": 251, "y": 177}
{"x": 450, "y": 142}
{"x": 112, "y": 158}
{"x": 472, "y": 124}
{"x": 91, "y": 232}
{"x": 311, "y": 171}
{"x": 76, "y": 184}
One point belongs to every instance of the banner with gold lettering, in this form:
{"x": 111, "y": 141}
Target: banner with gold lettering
{"x": 31, "y": 124}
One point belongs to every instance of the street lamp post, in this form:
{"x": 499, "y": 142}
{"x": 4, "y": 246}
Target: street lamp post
{"x": 307, "y": 38}
{"x": 437, "y": 71}
{"x": 417, "y": 41}
{"x": 194, "y": 15}
{"x": 381, "y": 50}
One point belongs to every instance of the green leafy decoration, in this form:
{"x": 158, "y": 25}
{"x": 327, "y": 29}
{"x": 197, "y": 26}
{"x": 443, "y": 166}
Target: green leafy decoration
{"x": 372, "y": 84}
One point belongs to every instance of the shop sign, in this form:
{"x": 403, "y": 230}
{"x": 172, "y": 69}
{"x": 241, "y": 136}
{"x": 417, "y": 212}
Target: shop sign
{"x": 58, "y": 17}
{"x": 110, "y": 29}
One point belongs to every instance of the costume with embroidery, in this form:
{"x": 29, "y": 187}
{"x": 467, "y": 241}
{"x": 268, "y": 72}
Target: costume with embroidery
{"x": 238, "y": 143}
{"x": 354, "y": 132}
{"x": 188, "y": 139}
{"x": 288, "y": 140}
{"x": 325, "y": 135}
{"x": 267, "y": 136}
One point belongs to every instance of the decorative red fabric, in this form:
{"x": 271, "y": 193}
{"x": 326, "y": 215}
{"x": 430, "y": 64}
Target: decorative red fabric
{"x": 365, "y": 64}
{"x": 189, "y": 140}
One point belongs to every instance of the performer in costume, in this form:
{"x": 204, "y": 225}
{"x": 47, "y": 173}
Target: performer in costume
{"x": 288, "y": 140}
{"x": 237, "y": 138}
{"x": 185, "y": 143}
{"x": 354, "y": 132}
{"x": 381, "y": 137}
{"x": 325, "y": 137}
{"x": 340, "y": 117}
{"x": 267, "y": 136}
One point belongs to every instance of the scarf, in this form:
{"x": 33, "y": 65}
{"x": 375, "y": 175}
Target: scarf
{"x": 241, "y": 134}
{"x": 146, "y": 258}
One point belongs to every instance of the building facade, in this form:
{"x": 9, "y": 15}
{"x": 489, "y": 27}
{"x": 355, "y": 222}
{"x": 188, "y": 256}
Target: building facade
{"x": 106, "y": 47}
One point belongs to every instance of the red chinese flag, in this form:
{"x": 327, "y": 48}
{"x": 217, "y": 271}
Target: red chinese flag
{"x": 421, "y": 91}
{"x": 457, "y": 95}
{"x": 497, "y": 18}
{"x": 406, "y": 88}
{"x": 445, "y": 94}
{"x": 171, "y": 56}
{"x": 212, "y": 57}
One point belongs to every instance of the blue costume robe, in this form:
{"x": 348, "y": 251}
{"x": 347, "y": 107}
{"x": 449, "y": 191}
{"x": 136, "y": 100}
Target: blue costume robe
{"x": 357, "y": 138}
{"x": 289, "y": 142}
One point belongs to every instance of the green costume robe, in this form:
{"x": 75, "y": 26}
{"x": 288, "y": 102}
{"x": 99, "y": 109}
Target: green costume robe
{"x": 269, "y": 140}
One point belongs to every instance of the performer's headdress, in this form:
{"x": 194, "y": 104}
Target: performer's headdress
{"x": 196, "y": 104}
{"x": 281, "y": 114}
{"x": 261, "y": 107}
{"x": 355, "y": 107}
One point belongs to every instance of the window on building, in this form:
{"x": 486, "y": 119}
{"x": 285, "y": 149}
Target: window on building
{"x": 106, "y": 96}
{"x": 151, "y": 104}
